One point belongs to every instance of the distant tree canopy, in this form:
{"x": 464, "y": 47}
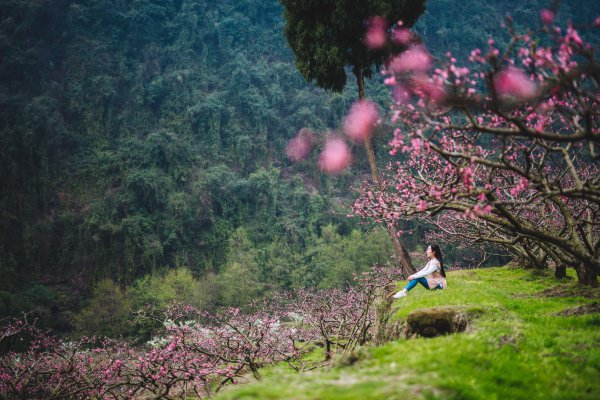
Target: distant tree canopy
{"x": 327, "y": 35}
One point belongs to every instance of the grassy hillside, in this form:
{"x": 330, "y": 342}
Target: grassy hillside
{"x": 531, "y": 339}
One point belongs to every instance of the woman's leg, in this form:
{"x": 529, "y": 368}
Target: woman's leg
{"x": 411, "y": 285}
{"x": 414, "y": 282}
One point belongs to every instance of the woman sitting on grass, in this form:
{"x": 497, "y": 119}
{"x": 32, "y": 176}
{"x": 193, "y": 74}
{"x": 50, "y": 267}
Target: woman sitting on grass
{"x": 432, "y": 276}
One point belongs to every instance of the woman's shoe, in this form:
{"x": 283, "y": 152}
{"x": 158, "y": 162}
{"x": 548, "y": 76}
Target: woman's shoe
{"x": 400, "y": 294}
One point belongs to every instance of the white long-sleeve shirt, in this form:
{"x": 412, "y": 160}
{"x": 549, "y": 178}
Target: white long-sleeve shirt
{"x": 432, "y": 266}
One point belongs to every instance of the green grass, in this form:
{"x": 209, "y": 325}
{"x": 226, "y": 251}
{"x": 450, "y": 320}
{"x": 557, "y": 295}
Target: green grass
{"x": 517, "y": 348}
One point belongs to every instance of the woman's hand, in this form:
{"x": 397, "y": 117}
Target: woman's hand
{"x": 410, "y": 278}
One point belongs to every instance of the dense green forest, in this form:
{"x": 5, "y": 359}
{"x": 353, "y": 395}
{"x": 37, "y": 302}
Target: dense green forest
{"x": 146, "y": 136}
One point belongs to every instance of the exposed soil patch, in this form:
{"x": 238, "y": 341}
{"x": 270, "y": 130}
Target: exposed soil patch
{"x": 570, "y": 291}
{"x": 436, "y": 321}
{"x": 592, "y": 308}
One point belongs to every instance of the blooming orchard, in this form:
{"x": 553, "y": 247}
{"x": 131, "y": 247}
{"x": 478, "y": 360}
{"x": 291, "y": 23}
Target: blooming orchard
{"x": 195, "y": 353}
{"x": 506, "y": 148}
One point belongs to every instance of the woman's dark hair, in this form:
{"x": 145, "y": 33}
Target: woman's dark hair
{"x": 438, "y": 254}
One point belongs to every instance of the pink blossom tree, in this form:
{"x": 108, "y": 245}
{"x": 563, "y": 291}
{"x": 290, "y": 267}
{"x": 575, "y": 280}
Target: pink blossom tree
{"x": 510, "y": 142}
{"x": 51, "y": 368}
{"x": 341, "y": 320}
{"x": 196, "y": 353}
{"x": 485, "y": 239}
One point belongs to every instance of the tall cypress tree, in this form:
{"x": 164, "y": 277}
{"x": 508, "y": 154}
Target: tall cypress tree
{"x": 327, "y": 36}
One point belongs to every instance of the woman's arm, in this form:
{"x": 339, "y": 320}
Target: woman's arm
{"x": 428, "y": 269}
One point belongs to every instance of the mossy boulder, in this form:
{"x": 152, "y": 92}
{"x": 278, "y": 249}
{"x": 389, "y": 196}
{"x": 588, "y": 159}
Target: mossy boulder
{"x": 436, "y": 321}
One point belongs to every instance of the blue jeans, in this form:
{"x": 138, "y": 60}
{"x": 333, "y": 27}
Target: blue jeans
{"x": 414, "y": 282}
{"x": 422, "y": 281}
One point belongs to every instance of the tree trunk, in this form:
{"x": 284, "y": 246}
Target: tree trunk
{"x": 327, "y": 350}
{"x": 560, "y": 272}
{"x": 587, "y": 274}
{"x": 401, "y": 252}
{"x": 254, "y": 370}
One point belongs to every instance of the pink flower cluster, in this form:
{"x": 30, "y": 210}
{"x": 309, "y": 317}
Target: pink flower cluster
{"x": 376, "y": 34}
{"x": 521, "y": 185}
{"x": 513, "y": 83}
{"x": 299, "y": 147}
{"x": 415, "y": 59}
{"x": 336, "y": 156}
{"x": 361, "y": 120}
{"x": 402, "y": 35}
{"x": 547, "y": 16}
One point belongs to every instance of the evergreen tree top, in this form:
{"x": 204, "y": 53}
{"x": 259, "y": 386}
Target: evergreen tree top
{"x": 327, "y": 35}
